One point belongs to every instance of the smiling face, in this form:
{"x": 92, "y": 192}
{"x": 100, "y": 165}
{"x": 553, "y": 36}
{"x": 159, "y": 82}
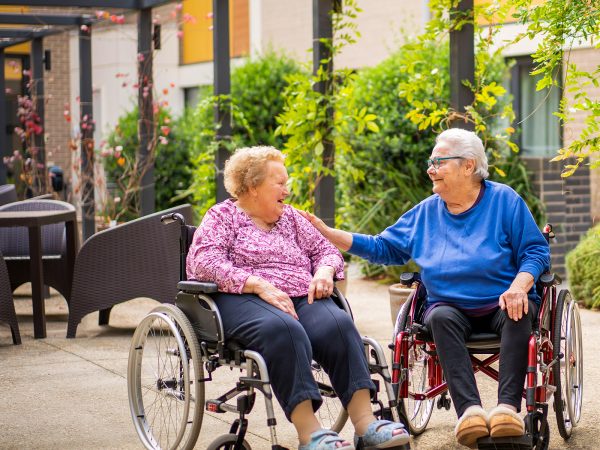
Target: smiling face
{"x": 271, "y": 193}
{"x": 452, "y": 175}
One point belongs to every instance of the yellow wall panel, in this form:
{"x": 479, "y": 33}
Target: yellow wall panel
{"x": 197, "y": 45}
{"x": 22, "y": 49}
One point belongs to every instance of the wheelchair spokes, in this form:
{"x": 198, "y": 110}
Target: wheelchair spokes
{"x": 331, "y": 414}
{"x": 162, "y": 381}
{"x": 418, "y": 407}
{"x": 568, "y": 372}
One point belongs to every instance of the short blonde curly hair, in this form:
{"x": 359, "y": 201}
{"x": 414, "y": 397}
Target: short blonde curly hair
{"x": 245, "y": 169}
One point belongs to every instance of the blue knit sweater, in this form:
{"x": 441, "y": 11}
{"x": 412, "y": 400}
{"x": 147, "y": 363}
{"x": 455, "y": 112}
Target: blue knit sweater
{"x": 467, "y": 260}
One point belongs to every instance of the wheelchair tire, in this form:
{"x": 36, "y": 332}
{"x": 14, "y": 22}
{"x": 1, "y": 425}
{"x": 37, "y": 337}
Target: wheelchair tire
{"x": 227, "y": 442}
{"x": 418, "y": 412}
{"x": 568, "y": 371}
{"x": 166, "y": 391}
{"x": 331, "y": 414}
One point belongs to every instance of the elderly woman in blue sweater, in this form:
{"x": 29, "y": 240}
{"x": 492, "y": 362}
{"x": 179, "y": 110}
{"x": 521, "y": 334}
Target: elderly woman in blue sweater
{"x": 480, "y": 253}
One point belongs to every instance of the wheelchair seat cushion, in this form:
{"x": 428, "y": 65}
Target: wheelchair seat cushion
{"x": 475, "y": 341}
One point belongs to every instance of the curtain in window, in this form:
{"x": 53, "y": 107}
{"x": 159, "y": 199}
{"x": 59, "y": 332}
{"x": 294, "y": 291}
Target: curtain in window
{"x": 540, "y": 129}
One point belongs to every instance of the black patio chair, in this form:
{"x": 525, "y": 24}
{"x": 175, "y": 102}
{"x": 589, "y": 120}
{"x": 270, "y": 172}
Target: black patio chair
{"x": 8, "y": 194}
{"x": 7, "y": 307}
{"x": 14, "y": 245}
{"x": 136, "y": 259}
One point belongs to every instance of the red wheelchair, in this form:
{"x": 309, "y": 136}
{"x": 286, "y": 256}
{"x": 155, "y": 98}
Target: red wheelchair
{"x": 554, "y": 370}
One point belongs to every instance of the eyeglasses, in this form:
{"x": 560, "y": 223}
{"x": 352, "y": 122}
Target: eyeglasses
{"x": 436, "y": 162}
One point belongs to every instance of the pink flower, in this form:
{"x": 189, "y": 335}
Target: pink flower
{"x": 178, "y": 6}
{"x": 85, "y": 28}
{"x": 179, "y": 34}
{"x": 163, "y": 140}
{"x": 140, "y": 57}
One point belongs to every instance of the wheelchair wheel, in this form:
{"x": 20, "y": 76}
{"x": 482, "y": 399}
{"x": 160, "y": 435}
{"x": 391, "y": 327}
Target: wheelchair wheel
{"x": 227, "y": 442}
{"x": 568, "y": 372}
{"x": 164, "y": 380}
{"x": 418, "y": 411}
{"x": 331, "y": 414}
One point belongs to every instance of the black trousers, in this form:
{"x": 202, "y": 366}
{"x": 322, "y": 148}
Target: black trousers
{"x": 323, "y": 332}
{"x": 451, "y": 328}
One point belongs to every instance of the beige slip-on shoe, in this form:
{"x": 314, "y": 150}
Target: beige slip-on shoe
{"x": 472, "y": 425}
{"x": 505, "y": 422}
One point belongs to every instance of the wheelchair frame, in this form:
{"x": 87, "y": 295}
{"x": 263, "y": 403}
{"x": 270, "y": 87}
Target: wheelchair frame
{"x": 195, "y": 344}
{"x": 554, "y": 355}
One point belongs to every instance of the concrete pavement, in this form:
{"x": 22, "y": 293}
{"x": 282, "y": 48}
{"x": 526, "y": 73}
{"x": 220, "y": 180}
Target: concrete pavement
{"x": 59, "y": 393}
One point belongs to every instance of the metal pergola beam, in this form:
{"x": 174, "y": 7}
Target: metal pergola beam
{"x": 4, "y": 151}
{"x": 146, "y": 123}
{"x": 222, "y": 87}
{"x": 121, "y": 4}
{"x": 37, "y": 90}
{"x": 323, "y": 29}
{"x": 86, "y": 125}
{"x": 46, "y": 19}
{"x": 28, "y": 33}
{"x": 462, "y": 64}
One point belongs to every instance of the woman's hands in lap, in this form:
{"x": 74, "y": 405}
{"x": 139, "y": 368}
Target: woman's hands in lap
{"x": 275, "y": 297}
{"x": 321, "y": 285}
{"x": 515, "y": 302}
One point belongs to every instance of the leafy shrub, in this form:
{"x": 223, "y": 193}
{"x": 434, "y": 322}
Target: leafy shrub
{"x": 393, "y": 160}
{"x": 583, "y": 269}
{"x": 172, "y": 170}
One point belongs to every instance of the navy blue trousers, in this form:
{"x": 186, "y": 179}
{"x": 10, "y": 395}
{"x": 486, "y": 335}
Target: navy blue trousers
{"x": 451, "y": 328}
{"x": 324, "y": 332}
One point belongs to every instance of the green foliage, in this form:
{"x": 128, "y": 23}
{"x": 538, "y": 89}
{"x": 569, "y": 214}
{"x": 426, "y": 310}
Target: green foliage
{"x": 319, "y": 111}
{"x": 410, "y": 93}
{"x": 171, "y": 165}
{"x": 583, "y": 269}
{"x": 560, "y": 26}
{"x": 256, "y": 100}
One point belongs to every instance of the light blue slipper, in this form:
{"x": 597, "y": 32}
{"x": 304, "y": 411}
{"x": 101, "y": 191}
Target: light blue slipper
{"x": 325, "y": 440}
{"x": 380, "y": 435}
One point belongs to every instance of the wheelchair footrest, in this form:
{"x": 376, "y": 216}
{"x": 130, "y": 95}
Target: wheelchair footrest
{"x": 505, "y": 443}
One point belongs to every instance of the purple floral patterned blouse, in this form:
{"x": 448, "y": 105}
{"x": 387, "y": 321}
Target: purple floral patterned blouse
{"x": 228, "y": 247}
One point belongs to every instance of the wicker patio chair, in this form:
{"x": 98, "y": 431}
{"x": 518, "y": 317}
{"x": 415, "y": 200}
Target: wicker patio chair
{"x": 7, "y": 307}
{"x": 14, "y": 245}
{"x": 8, "y": 194}
{"x": 137, "y": 259}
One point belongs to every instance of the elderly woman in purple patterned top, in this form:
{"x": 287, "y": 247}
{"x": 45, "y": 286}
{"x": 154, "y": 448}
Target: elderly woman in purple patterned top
{"x": 275, "y": 276}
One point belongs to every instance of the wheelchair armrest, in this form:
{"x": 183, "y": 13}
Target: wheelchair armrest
{"x": 408, "y": 278}
{"x": 549, "y": 279}
{"x": 197, "y": 287}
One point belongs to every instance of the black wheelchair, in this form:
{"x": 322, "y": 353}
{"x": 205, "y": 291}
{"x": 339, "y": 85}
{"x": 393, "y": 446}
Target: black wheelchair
{"x": 555, "y": 364}
{"x": 175, "y": 350}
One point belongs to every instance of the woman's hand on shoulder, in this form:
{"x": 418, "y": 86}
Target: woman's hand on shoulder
{"x": 274, "y": 296}
{"x": 321, "y": 286}
{"x": 315, "y": 221}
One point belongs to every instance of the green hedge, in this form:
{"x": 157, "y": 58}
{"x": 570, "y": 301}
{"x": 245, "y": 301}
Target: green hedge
{"x": 583, "y": 269}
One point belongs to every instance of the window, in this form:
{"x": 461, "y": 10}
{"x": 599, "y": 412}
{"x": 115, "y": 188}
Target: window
{"x": 539, "y": 130}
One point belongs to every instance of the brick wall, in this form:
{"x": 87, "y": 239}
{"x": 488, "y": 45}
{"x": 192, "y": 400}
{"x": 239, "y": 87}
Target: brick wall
{"x": 587, "y": 60}
{"x": 567, "y": 205}
{"x": 57, "y": 91}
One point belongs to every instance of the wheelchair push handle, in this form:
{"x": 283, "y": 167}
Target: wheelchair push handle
{"x": 548, "y": 232}
{"x": 172, "y": 217}
{"x": 408, "y": 278}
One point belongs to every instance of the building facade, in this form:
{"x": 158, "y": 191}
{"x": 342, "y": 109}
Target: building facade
{"x": 184, "y": 62}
